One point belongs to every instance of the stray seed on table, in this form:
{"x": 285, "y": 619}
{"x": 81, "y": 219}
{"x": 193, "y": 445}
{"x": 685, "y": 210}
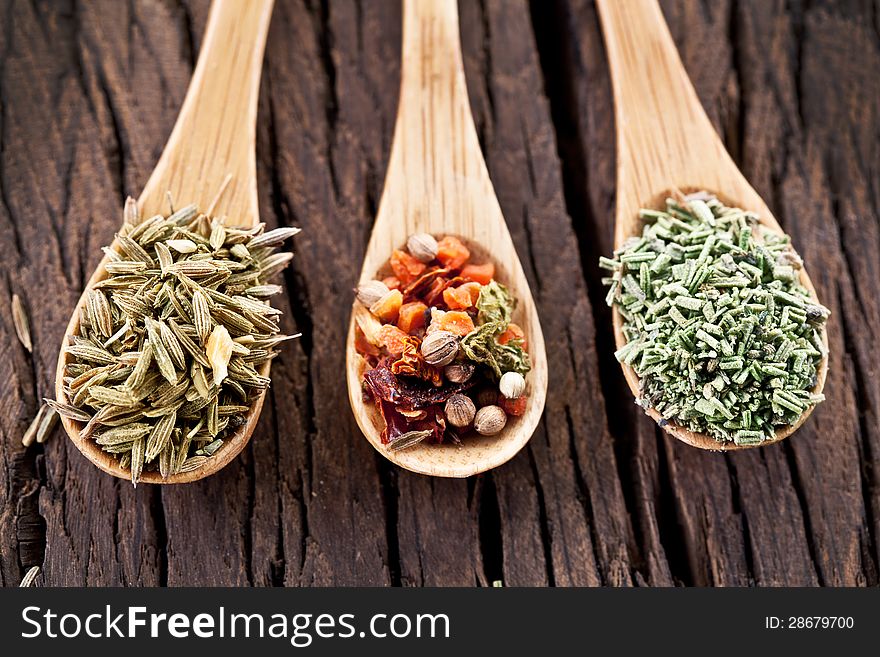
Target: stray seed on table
{"x": 29, "y": 577}
{"x": 22, "y": 326}
{"x": 41, "y": 426}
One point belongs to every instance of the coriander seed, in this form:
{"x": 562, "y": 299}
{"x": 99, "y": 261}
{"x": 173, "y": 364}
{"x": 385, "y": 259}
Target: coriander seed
{"x": 371, "y": 292}
{"x": 490, "y": 420}
{"x": 422, "y": 246}
{"x": 512, "y": 385}
{"x": 459, "y": 372}
{"x": 487, "y": 397}
{"x": 439, "y": 348}
{"x": 460, "y": 410}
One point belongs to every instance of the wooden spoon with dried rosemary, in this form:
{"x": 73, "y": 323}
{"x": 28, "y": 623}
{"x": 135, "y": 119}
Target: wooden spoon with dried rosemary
{"x": 208, "y": 166}
{"x": 667, "y": 148}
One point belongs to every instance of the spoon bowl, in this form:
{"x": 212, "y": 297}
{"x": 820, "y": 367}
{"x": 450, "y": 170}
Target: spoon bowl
{"x": 437, "y": 183}
{"x": 194, "y": 168}
{"x": 666, "y": 144}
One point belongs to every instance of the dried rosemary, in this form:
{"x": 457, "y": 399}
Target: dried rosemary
{"x": 724, "y": 338}
{"x": 166, "y": 361}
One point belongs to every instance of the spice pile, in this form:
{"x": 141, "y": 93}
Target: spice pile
{"x": 444, "y": 357}
{"x": 723, "y": 337}
{"x": 165, "y": 363}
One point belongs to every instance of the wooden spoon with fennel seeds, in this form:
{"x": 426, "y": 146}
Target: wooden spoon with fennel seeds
{"x": 210, "y": 161}
{"x": 666, "y": 142}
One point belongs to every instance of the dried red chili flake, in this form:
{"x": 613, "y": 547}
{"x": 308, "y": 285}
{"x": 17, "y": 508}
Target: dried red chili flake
{"x": 435, "y": 296}
{"x": 397, "y": 424}
{"x": 514, "y": 407}
{"x": 412, "y": 363}
{"x": 417, "y": 288}
{"x": 408, "y": 392}
{"x": 398, "y": 397}
{"x": 435, "y": 292}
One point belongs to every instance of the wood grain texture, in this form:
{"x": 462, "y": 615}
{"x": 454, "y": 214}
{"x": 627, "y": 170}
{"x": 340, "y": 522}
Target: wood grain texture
{"x": 89, "y": 93}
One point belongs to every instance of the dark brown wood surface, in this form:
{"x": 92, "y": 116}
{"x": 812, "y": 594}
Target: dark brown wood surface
{"x": 89, "y": 92}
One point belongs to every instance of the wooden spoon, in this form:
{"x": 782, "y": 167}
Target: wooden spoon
{"x": 209, "y": 160}
{"x": 666, "y": 142}
{"x": 437, "y": 183}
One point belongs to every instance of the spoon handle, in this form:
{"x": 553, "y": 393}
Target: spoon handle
{"x": 434, "y": 116}
{"x": 213, "y": 138}
{"x": 437, "y": 181}
{"x": 664, "y": 138}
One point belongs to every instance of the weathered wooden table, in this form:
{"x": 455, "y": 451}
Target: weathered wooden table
{"x": 88, "y": 95}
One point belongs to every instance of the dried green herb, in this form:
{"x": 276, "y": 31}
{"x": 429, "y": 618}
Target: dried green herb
{"x": 723, "y": 337}
{"x": 166, "y": 361}
{"x": 495, "y": 307}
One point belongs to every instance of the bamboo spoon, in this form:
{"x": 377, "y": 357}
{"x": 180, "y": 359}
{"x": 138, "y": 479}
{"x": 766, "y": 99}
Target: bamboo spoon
{"x": 209, "y": 160}
{"x": 666, "y": 142}
{"x": 437, "y": 183}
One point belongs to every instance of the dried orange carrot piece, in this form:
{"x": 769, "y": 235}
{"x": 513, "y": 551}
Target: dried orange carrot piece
{"x": 452, "y": 253}
{"x": 462, "y": 297}
{"x": 474, "y": 290}
{"x": 513, "y": 332}
{"x": 391, "y": 282}
{"x": 405, "y": 267}
{"x": 457, "y": 298}
{"x": 393, "y": 339}
{"x": 412, "y": 316}
{"x": 387, "y": 307}
{"x": 482, "y": 274}
{"x": 454, "y": 321}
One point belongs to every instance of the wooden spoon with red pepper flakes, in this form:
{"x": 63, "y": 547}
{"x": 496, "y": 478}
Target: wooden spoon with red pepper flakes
{"x": 438, "y": 185}
{"x": 443, "y": 360}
